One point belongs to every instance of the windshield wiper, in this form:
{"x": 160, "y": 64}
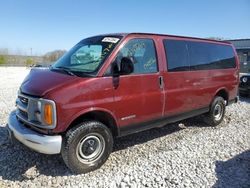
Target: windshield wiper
{"x": 70, "y": 72}
{"x": 65, "y": 69}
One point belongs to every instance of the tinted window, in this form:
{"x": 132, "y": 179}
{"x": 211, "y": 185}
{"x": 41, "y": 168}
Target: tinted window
{"x": 143, "y": 52}
{"x": 187, "y": 55}
{"x": 177, "y": 55}
{"x": 205, "y": 56}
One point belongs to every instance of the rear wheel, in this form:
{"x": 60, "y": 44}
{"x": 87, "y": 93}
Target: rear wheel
{"x": 216, "y": 113}
{"x": 87, "y": 146}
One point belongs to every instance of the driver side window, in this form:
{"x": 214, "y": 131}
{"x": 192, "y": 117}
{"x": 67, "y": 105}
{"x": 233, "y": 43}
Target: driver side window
{"x": 144, "y": 54}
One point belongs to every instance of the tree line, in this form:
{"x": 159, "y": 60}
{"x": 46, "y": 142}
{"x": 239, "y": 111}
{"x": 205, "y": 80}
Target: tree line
{"x": 24, "y": 60}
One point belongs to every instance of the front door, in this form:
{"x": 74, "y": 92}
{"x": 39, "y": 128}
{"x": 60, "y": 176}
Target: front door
{"x": 138, "y": 97}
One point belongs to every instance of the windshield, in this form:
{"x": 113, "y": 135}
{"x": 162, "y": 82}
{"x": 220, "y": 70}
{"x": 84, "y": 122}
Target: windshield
{"x": 87, "y": 56}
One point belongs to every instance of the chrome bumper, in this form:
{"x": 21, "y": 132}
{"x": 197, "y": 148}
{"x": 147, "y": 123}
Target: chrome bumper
{"x": 36, "y": 141}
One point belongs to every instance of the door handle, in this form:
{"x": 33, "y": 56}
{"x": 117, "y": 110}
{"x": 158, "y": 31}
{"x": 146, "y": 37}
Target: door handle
{"x": 161, "y": 82}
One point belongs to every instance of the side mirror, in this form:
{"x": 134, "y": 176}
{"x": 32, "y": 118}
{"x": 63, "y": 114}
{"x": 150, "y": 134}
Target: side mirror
{"x": 126, "y": 67}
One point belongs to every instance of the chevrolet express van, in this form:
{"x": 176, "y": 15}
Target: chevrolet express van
{"x": 112, "y": 85}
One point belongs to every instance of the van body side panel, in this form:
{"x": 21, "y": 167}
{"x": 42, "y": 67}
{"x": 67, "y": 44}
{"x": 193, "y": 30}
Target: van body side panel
{"x": 206, "y": 83}
{"x": 226, "y": 79}
{"x": 190, "y": 89}
{"x": 196, "y": 89}
{"x": 138, "y": 97}
{"x": 179, "y": 93}
{"x": 83, "y": 96}
{"x": 178, "y": 88}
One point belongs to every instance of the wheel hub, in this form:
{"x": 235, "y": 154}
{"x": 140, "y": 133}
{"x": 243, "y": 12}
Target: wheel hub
{"x": 90, "y": 148}
{"x": 218, "y": 112}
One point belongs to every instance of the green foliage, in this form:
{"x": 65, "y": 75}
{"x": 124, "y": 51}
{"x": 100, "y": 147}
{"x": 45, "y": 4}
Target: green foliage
{"x": 2, "y": 60}
{"x": 29, "y": 62}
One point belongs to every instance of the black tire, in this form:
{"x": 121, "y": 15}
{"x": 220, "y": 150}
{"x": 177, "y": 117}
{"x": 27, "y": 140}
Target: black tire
{"x": 216, "y": 113}
{"x": 80, "y": 141}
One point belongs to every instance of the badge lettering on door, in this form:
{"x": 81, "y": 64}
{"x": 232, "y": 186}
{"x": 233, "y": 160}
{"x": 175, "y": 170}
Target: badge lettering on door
{"x": 128, "y": 117}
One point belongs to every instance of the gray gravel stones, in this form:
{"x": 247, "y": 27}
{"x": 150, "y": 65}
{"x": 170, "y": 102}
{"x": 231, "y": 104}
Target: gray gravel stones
{"x": 183, "y": 154}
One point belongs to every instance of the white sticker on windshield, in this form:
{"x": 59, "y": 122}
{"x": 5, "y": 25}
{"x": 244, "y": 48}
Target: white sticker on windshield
{"x": 110, "y": 39}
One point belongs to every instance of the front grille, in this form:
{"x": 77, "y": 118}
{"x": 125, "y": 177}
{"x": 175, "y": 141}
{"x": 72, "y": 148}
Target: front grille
{"x": 25, "y": 109}
{"x": 24, "y": 100}
{"x": 23, "y": 113}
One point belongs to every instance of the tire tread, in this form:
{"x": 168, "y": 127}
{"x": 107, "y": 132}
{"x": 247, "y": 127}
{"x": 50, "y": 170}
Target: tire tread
{"x": 71, "y": 134}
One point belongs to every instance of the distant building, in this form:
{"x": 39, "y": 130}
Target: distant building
{"x": 242, "y": 47}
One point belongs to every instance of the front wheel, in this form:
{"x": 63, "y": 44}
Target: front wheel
{"x": 87, "y": 146}
{"x": 216, "y": 113}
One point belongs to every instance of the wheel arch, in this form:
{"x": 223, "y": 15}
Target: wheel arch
{"x": 98, "y": 114}
{"x": 222, "y": 92}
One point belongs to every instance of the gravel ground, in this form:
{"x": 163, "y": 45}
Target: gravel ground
{"x": 184, "y": 154}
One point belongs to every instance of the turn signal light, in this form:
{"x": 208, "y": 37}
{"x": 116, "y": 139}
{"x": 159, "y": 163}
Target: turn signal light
{"x": 48, "y": 114}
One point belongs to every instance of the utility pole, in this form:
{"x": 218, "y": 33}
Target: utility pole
{"x": 30, "y": 51}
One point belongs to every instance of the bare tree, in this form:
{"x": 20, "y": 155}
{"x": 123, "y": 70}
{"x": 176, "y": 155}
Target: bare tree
{"x": 53, "y": 56}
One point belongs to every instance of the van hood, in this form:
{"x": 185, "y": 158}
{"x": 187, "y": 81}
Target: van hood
{"x": 42, "y": 80}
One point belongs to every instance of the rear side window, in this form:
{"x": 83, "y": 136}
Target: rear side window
{"x": 144, "y": 54}
{"x": 188, "y": 55}
{"x": 177, "y": 55}
{"x": 204, "y": 56}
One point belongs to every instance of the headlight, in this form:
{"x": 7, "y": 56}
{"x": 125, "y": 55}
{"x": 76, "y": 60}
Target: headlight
{"x": 45, "y": 113}
{"x": 37, "y": 112}
{"x": 244, "y": 79}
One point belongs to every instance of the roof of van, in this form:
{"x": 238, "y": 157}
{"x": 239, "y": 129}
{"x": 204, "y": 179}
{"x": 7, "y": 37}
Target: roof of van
{"x": 139, "y": 33}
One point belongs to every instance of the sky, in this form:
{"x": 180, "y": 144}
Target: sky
{"x": 47, "y": 25}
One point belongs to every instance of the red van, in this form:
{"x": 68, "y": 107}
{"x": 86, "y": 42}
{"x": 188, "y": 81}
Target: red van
{"x": 112, "y": 85}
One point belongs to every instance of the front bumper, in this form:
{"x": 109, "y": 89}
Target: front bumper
{"x": 36, "y": 141}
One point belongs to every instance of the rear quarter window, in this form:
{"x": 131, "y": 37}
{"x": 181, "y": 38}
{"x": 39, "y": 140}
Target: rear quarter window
{"x": 205, "y": 56}
{"x": 177, "y": 55}
{"x": 189, "y": 55}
